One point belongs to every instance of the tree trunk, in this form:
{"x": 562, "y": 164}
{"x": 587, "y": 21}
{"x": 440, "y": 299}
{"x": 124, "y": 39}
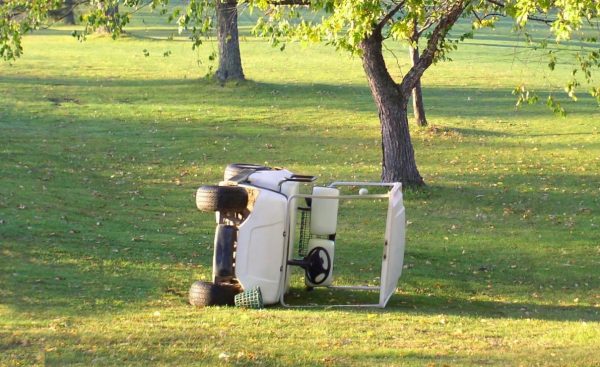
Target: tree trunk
{"x": 110, "y": 12}
{"x": 230, "y": 61}
{"x": 64, "y": 13}
{"x": 398, "y": 154}
{"x": 417, "y": 95}
{"x": 70, "y": 9}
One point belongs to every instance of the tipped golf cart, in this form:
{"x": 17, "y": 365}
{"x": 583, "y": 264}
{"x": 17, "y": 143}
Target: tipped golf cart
{"x": 266, "y": 227}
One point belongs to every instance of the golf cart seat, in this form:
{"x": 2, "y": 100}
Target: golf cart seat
{"x": 323, "y": 227}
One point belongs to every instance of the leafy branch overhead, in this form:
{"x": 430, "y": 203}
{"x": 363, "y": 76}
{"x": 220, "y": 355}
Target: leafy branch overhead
{"x": 359, "y": 27}
{"x": 341, "y": 23}
{"x": 19, "y": 17}
{"x": 345, "y": 23}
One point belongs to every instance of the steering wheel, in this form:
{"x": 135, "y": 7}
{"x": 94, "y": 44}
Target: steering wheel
{"x": 319, "y": 265}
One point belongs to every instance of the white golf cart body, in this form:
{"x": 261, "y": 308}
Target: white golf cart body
{"x": 264, "y": 250}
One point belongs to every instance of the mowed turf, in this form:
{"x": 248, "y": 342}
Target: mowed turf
{"x": 102, "y": 148}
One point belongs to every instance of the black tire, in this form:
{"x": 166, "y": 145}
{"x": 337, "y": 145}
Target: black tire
{"x": 221, "y": 198}
{"x": 235, "y": 169}
{"x": 210, "y": 294}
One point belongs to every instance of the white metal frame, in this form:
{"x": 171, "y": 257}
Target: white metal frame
{"x": 290, "y": 234}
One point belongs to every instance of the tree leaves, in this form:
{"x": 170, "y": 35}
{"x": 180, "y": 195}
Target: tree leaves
{"x": 345, "y": 23}
{"x": 342, "y": 24}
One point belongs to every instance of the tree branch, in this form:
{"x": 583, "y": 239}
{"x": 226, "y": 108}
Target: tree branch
{"x": 438, "y": 34}
{"x": 541, "y": 20}
{"x": 390, "y": 14}
{"x": 290, "y": 2}
{"x": 16, "y": 12}
{"x": 425, "y": 27}
{"x": 497, "y": 3}
{"x": 431, "y": 20}
{"x": 477, "y": 16}
{"x": 65, "y": 12}
{"x": 529, "y": 17}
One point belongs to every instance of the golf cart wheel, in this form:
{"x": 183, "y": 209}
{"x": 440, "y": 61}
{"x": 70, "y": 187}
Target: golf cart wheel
{"x": 221, "y": 198}
{"x": 235, "y": 169}
{"x": 210, "y": 294}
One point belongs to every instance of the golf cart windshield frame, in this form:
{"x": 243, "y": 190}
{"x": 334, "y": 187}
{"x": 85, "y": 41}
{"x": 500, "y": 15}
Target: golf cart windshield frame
{"x": 393, "y": 247}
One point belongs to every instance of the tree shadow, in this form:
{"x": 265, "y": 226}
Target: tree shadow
{"x": 208, "y": 343}
{"x": 54, "y": 280}
{"x": 471, "y": 132}
{"x": 126, "y": 147}
{"x": 414, "y": 304}
{"x": 440, "y": 100}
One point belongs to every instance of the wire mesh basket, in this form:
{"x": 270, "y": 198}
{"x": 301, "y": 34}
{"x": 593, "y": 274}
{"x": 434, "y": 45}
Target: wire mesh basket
{"x": 250, "y": 299}
{"x": 304, "y": 232}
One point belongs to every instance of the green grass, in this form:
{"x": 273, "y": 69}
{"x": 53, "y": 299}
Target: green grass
{"x": 102, "y": 149}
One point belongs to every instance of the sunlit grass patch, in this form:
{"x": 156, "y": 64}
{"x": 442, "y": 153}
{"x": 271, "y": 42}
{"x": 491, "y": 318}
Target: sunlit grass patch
{"x": 102, "y": 150}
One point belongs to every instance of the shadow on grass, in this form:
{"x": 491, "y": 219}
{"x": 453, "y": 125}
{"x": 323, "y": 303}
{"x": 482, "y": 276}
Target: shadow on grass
{"x": 53, "y": 280}
{"x": 158, "y": 33}
{"x": 231, "y": 346}
{"x": 85, "y": 154}
{"x": 323, "y": 298}
{"x": 454, "y": 102}
{"x": 481, "y": 133}
{"x": 491, "y": 309}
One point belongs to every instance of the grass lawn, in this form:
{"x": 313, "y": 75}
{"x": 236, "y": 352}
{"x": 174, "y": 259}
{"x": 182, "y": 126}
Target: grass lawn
{"x": 102, "y": 148}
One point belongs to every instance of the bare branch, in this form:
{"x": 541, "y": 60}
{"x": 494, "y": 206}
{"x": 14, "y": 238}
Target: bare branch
{"x": 425, "y": 27}
{"x": 395, "y": 58}
{"x": 443, "y": 26}
{"x": 66, "y": 12}
{"x": 21, "y": 10}
{"x": 497, "y": 3}
{"x": 290, "y": 2}
{"x": 477, "y": 16}
{"x": 529, "y": 17}
{"x": 432, "y": 20}
{"x": 541, "y": 20}
{"x": 390, "y": 14}
{"x": 489, "y": 15}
